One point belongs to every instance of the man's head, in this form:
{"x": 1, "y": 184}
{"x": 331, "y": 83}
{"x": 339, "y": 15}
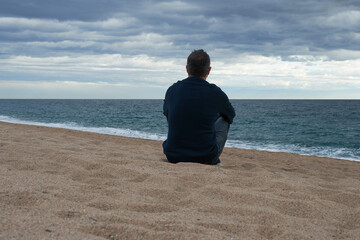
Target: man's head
{"x": 198, "y": 64}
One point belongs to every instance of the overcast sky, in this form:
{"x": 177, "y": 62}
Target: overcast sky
{"x": 137, "y": 49}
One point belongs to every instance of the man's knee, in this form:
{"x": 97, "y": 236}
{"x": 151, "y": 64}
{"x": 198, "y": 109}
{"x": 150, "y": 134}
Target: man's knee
{"x": 221, "y": 125}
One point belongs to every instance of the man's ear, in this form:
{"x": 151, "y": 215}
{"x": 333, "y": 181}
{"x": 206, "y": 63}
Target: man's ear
{"x": 187, "y": 69}
{"x": 209, "y": 70}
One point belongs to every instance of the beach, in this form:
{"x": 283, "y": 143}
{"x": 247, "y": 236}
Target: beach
{"x": 66, "y": 184}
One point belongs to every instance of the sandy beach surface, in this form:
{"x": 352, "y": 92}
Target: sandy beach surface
{"x": 65, "y": 184}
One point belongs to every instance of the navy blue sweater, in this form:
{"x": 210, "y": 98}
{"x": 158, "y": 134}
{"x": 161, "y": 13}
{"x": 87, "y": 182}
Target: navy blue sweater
{"x": 191, "y": 107}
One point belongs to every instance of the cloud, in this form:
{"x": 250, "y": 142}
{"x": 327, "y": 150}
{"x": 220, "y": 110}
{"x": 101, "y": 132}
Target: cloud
{"x": 349, "y": 19}
{"x": 302, "y": 72}
{"x": 173, "y": 6}
{"x": 257, "y": 26}
{"x": 66, "y": 10}
{"x": 278, "y": 44}
{"x": 109, "y": 68}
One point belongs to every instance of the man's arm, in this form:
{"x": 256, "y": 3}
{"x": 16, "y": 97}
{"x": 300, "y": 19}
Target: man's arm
{"x": 165, "y": 109}
{"x": 166, "y": 106}
{"x": 226, "y": 110}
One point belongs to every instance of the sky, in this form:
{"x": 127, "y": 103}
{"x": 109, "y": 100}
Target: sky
{"x": 117, "y": 49}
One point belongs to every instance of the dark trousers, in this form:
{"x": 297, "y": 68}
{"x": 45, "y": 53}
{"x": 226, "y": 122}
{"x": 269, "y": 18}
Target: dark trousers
{"x": 222, "y": 130}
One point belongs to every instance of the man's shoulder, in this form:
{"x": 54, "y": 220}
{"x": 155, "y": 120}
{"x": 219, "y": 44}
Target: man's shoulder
{"x": 216, "y": 88}
{"x": 176, "y": 84}
{"x": 173, "y": 87}
{"x": 213, "y": 85}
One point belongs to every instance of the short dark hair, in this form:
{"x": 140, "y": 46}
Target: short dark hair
{"x": 198, "y": 63}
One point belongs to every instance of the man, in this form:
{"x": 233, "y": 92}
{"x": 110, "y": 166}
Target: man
{"x": 199, "y": 115}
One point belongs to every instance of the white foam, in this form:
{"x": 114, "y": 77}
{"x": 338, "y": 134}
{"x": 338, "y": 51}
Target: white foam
{"x": 339, "y": 153}
{"x": 102, "y": 130}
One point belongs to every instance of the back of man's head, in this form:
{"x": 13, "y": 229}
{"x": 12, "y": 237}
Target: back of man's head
{"x": 198, "y": 63}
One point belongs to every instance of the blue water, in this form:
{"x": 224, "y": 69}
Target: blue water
{"x": 329, "y": 128}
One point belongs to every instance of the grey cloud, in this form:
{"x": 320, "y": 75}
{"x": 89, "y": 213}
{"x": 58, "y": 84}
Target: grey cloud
{"x": 278, "y": 27}
{"x": 62, "y": 10}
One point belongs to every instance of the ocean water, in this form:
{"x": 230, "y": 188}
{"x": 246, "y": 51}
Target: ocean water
{"x": 329, "y": 128}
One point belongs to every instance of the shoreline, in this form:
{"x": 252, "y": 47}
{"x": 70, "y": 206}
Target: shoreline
{"x": 158, "y": 138}
{"x": 60, "y": 183}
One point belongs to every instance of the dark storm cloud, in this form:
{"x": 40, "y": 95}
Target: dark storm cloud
{"x": 278, "y": 27}
{"x": 61, "y": 10}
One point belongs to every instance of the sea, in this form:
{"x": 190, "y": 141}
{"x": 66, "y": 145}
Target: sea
{"x": 325, "y": 128}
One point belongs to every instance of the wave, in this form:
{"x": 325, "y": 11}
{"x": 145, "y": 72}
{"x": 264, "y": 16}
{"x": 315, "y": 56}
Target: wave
{"x": 339, "y": 153}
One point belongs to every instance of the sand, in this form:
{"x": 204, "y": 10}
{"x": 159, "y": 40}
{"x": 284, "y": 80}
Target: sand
{"x": 65, "y": 184}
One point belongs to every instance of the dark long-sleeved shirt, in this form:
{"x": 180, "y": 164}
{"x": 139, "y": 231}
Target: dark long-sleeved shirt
{"x": 192, "y": 106}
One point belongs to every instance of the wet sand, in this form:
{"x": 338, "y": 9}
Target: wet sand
{"x": 65, "y": 184}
